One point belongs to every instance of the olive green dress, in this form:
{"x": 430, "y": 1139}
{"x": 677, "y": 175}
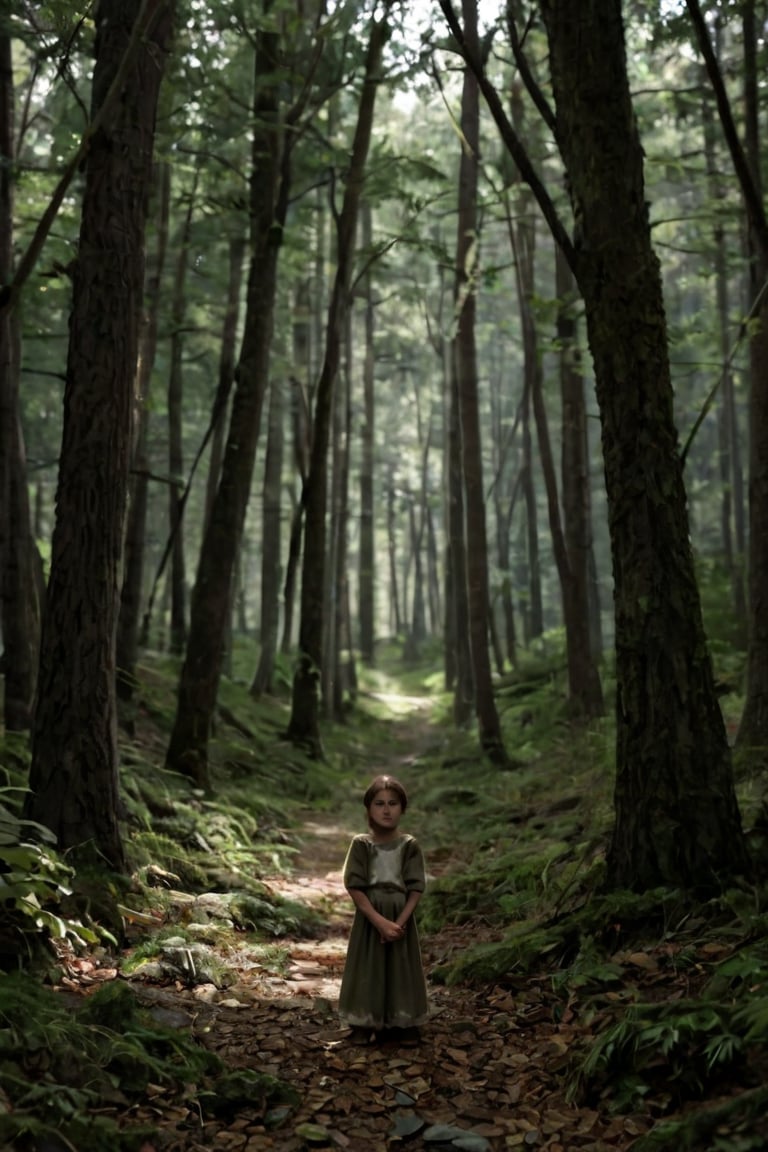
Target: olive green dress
{"x": 383, "y": 984}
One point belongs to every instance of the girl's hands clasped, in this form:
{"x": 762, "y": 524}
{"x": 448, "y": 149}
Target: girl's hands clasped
{"x": 389, "y": 931}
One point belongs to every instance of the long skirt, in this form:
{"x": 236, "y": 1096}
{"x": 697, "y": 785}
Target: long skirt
{"x": 383, "y": 984}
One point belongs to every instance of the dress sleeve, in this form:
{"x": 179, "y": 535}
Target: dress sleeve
{"x": 356, "y": 864}
{"x": 414, "y": 872}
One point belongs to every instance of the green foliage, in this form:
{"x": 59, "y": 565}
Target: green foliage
{"x": 275, "y": 917}
{"x": 33, "y": 883}
{"x": 60, "y": 1068}
{"x": 681, "y": 1045}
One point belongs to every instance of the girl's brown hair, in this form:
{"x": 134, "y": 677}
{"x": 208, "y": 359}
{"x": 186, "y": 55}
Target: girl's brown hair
{"x": 380, "y": 784}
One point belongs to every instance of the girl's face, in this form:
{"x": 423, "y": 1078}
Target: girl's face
{"x": 386, "y": 809}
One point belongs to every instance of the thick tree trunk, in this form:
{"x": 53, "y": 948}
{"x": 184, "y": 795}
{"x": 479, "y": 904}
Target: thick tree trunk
{"x": 74, "y": 771}
{"x": 677, "y": 820}
{"x": 467, "y": 266}
{"x": 136, "y": 527}
{"x": 211, "y": 597}
{"x": 303, "y": 727}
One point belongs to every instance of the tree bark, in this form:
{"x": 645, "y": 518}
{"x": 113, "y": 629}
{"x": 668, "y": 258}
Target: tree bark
{"x": 227, "y": 357}
{"x": 269, "y": 626}
{"x": 303, "y": 727}
{"x": 211, "y": 596}
{"x": 367, "y": 481}
{"x": 729, "y": 459}
{"x": 573, "y": 547}
{"x": 396, "y": 614}
{"x": 136, "y": 527}
{"x": 178, "y": 623}
{"x": 302, "y": 446}
{"x": 677, "y": 820}
{"x": 467, "y": 271}
{"x": 19, "y": 585}
{"x": 524, "y": 248}
{"x": 74, "y": 770}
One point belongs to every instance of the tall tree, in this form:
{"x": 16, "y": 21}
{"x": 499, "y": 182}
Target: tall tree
{"x": 303, "y": 727}
{"x": 19, "y": 585}
{"x": 135, "y": 532}
{"x": 211, "y": 597}
{"x": 753, "y": 730}
{"x": 677, "y": 820}
{"x": 732, "y": 504}
{"x": 676, "y": 816}
{"x": 573, "y": 545}
{"x": 177, "y": 575}
{"x": 367, "y": 441}
{"x": 300, "y": 423}
{"x": 465, "y": 352}
{"x": 74, "y": 771}
{"x": 271, "y": 538}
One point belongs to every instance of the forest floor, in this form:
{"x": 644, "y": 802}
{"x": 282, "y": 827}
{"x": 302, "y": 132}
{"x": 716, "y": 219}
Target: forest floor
{"x": 491, "y": 1072}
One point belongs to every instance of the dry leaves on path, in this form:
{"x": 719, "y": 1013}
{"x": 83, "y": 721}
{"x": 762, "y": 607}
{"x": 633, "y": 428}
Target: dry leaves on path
{"x": 488, "y": 1075}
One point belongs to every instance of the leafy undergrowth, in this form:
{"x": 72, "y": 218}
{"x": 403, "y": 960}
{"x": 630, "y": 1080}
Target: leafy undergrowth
{"x": 563, "y": 1018}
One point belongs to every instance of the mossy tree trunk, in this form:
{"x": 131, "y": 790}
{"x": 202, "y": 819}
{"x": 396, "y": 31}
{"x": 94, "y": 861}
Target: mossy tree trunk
{"x": 74, "y": 770}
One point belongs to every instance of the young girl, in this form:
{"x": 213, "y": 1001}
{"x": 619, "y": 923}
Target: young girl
{"x": 383, "y": 989}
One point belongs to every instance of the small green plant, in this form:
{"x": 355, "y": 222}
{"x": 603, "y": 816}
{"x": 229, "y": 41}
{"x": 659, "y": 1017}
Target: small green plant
{"x": 33, "y": 882}
{"x": 680, "y": 1044}
{"x": 58, "y": 1068}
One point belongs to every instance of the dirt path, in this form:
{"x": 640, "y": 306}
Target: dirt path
{"x": 488, "y": 1075}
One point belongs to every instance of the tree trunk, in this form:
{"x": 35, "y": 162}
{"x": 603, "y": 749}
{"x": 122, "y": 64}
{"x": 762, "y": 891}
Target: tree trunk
{"x": 503, "y": 517}
{"x": 456, "y": 582}
{"x": 303, "y": 727}
{"x": 433, "y": 577}
{"x": 753, "y": 730}
{"x": 730, "y": 465}
{"x": 19, "y": 586}
{"x": 524, "y": 247}
{"x": 572, "y": 549}
{"x": 211, "y": 597}
{"x": 467, "y": 270}
{"x": 135, "y": 533}
{"x": 271, "y": 543}
{"x": 178, "y": 624}
{"x": 367, "y": 440}
{"x": 302, "y": 447}
{"x": 342, "y": 644}
{"x": 677, "y": 820}
{"x": 394, "y": 584}
{"x": 227, "y": 354}
{"x": 74, "y": 771}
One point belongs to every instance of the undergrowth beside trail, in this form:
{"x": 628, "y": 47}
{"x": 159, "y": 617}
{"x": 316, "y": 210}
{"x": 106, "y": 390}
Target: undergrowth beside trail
{"x": 677, "y": 995}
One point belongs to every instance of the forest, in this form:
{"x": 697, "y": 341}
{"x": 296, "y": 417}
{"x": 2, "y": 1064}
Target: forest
{"x": 381, "y": 390}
